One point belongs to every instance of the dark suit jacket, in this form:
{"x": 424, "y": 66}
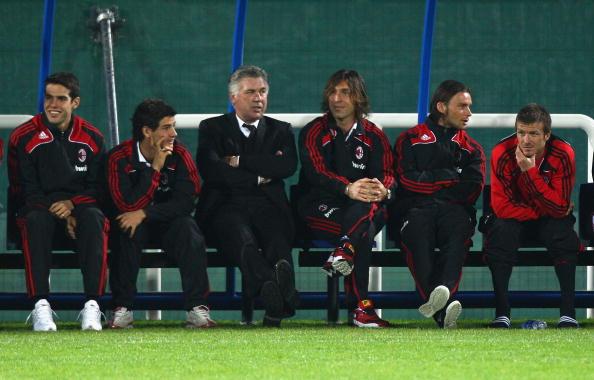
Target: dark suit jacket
{"x": 219, "y": 137}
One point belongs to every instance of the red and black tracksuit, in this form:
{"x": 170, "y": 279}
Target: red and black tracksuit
{"x": 440, "y": 173}
{"x": 330, "y": 160}
{"x": 535, "y": 203}
{"x": 45, "y": 166}
{"x": 167, "y": 198}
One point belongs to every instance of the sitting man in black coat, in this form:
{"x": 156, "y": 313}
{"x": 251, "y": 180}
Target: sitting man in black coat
{"x": 244, "y": 157}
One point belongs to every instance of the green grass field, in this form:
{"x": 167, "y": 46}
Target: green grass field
{"x": 301, "y": 349}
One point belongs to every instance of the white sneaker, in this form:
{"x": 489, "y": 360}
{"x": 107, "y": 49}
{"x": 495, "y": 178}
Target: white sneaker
{"x": 42, "y": 316}
{"x": 199, "y": 316}
{"x": 437, "y": 300}
{"x": 122, "y": 319}
{"x": 452, "y": 313}
{"x": 90, "y": 316}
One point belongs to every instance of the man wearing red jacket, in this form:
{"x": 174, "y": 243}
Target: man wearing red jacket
{"x": 440, "y": 171}
{"x": 153, "y": 183}
{"x": 532, "y": 176}
{"x": 54, "y": 164}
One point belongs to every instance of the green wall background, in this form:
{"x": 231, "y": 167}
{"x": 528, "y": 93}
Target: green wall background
{"x": 510, "y": 52}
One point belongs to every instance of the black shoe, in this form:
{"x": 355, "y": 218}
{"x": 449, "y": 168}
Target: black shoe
{"x": 273, "y": 303}
{"x": 285, "y": 278}
{"x": 567, "y": 322}
{"x": 501, "y": 322}
{"x": 271, "y": 322}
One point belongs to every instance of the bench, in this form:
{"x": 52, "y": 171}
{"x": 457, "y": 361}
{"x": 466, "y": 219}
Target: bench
{"x": 331, "y": 299}
{"x": 528, "y": 256}
{"x": 228, "y": 299}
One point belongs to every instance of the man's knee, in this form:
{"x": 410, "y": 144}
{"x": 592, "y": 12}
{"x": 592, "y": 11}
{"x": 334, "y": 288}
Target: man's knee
{"x": 359, "y": 207}
{"x": 184, "y": 229}
{"x": 416, "y": 229}
{"x": 91, "y": 216}
{"x": 38, "y": 218}
{"x": 560, "y": 237}
{"x": 502, "y": 241}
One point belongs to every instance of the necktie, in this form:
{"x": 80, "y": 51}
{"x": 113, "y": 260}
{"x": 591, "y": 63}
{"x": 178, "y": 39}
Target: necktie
{"x": 252, "y": 129}
{"x": 250, "y": 141}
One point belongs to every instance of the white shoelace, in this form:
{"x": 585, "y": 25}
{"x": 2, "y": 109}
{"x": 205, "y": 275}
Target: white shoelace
{"x": 98, "y": 314}
{"x": 42, "y": 314}
{"x": 203, "y": 311}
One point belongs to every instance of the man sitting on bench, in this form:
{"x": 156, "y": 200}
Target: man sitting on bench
{"x": 441, "y": 172}
{"x": 244, "y": 157}
{"x": 154, "y": 183}
{"x": 54, "y": 167}
{"x": 346, "y": 179}
{"x": 532, "y": 176}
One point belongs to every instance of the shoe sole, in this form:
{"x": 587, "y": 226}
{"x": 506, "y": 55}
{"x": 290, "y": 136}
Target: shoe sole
{"x": 452, "y": 314}
{"x": 114, "y": 327}
{"x": 342, "y": 267}
{"x": 568, "y": 326}
{"x": 437, "y": 300}
{"x": 209, "y": 324}
{"x": 366, "y": 325}
{"x": 48, "y": 330}
{"x": 271, "y": 322}
{"x": 286, "y": 283}
{"x": 272, "y": 299}
{"x": 91, "y": 328}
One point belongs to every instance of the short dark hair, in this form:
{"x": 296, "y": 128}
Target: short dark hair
{"x": 358, "y": 91}
{"x": 247, "y": 71}
{"x": 534, "y": 113}
{"x": 66, "y": 79}
{"x": 148, "y": 114}
{"x": 444, "y": 93}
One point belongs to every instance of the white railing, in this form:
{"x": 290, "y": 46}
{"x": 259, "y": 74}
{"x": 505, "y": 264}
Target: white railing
{"x": 12, "y": 121}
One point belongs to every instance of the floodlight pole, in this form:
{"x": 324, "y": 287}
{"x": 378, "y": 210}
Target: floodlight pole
{"x": 105, "y": 18}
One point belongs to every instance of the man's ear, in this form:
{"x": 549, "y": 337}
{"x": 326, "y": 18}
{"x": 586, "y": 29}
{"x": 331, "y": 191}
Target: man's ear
{"x": 76, "y": 102}
{"x": 146, "y": 132}
{"x": 441, "y": 107}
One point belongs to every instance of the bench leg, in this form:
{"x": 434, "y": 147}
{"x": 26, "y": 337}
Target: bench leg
{"x": 247, "y": 305}
{"x": 333, "y": 300}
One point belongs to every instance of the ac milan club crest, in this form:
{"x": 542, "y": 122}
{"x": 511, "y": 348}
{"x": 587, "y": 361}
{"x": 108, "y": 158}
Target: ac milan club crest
{"x": 82, "y": 155}
{"x": 164, "y": 179}
{"x": 359, "y": 152}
